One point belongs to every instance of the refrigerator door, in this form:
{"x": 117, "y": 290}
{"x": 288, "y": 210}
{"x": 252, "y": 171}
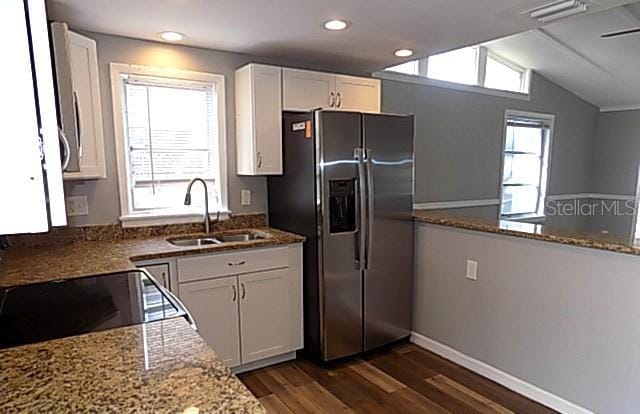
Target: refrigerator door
{"x": 388, "y": 278}
{"x": 338, "y": 134}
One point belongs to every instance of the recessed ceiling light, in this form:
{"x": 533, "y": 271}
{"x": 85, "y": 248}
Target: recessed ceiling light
{"x": 171, "y": 36}
{"x": 336, "y": 25}
{"x": 403, "y": 53}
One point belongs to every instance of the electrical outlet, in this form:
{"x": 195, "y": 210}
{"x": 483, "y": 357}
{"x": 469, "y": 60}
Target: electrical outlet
{"x": 472, "y": 270}
{"x": 77, "y": 206}
{"x": 245, "y": 197}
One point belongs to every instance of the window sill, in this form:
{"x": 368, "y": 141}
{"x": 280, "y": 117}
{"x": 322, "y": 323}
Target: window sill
{"x": 144, "y": 220}
{"x": 422, "y": 80}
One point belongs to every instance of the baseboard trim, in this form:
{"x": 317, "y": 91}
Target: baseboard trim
{"x": 251, "y": 366}
{"x": 507, "y": 380}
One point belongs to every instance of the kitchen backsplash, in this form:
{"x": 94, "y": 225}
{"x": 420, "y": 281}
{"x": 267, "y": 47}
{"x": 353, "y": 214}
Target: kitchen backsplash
{"x": 67, "y": 235}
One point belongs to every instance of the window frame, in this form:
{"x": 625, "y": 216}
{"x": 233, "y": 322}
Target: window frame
{"x": 154, "y": 217}
{"x": 545, "y": 169}
{"x": 481, "y": 66}
{"x": 524, "y": 73}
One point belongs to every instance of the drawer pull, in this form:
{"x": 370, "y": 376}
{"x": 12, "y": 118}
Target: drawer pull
{"x": 240, "y": 263}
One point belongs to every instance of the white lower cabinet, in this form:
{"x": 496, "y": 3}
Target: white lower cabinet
{"x": 214, "y": 306}
{"x": 264, "y": 314}
{"x": 247, "y": 305}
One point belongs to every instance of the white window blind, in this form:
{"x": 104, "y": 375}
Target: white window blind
{"x": 171, "y": 129}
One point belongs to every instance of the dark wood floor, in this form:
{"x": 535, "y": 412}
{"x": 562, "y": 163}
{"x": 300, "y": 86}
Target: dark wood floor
{"x": 399, "y": 379}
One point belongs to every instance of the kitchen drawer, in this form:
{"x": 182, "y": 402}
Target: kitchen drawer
{"x": 225, "y": 264}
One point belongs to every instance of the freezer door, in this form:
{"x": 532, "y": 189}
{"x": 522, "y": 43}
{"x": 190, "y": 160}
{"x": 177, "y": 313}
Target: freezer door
{"x": 388, "y": 278}
{"x": 338, "y": 134}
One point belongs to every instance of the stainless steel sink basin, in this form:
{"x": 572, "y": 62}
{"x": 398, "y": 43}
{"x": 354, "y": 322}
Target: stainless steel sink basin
{"x": 240, "y": 237}
{"x": 205, "y": 241}
{"x": 220, "y": 239}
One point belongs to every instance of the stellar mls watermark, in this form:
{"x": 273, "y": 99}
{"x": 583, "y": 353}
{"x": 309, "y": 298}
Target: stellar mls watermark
{"x": 579, "y": 207}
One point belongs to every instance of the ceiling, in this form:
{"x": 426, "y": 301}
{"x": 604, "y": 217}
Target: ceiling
{"x": 292, "y": 29}
{"x": 605, "y": 72}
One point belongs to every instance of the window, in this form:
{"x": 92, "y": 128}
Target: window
{"x": 169, "y": 129}
{"x": 500, "y": 74}
{"x": 410, "y": 68}
{"x": 525, "y": 164}
{"x": 474, "y": 69}
{"x": 459, "y": 66}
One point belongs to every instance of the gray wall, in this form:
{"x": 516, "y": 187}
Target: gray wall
{"x": 617, "y": 153}
{"x": 459, "y": 138}
{"x": 102, "y": 195}
{"x": 570, "y": 329}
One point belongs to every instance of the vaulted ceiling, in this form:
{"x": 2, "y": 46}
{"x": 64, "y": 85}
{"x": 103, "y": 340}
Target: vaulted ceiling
{"x": 605, "y": 72}
{"x": 292, "y": 29}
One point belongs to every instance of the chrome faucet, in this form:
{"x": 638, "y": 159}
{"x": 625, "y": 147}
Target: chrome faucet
{"x": 187, "y": 201}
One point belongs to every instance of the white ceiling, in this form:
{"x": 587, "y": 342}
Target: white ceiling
{"x": 605, "y": 72}
{"x": 292, "y": 29}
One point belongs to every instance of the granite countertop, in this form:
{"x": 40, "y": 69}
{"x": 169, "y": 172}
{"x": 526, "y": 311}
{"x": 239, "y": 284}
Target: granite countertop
{"x": 159, "y": 367}
{"x": 528, "y": 231}
{"x": 64, "y": 260}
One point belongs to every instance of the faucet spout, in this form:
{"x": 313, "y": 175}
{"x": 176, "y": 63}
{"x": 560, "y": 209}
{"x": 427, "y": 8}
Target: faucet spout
{"x": 187, "y": 201}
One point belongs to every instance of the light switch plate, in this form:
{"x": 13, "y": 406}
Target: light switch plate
{"x": 245, "y": 197}
{"x": 472, "y": 270}
{"x": 77, "y": 206}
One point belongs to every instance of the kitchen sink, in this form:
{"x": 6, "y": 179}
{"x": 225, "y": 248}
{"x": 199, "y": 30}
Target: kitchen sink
{"x": 240, "y": 237}
{"x": 218, "y": 239}
{"x": 205, "y": 241}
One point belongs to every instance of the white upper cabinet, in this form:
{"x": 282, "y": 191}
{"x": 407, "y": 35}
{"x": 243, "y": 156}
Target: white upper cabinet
{"x": 304, "y": 90}
{"x": 357, "y": 94}
{"x": 259, "y": 120}
{"x": 263, "y": 92}
{"x": 86, "y": 88}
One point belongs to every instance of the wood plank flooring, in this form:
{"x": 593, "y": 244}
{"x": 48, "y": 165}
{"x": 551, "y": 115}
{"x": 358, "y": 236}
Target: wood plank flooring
{"x": 402, "y": 378}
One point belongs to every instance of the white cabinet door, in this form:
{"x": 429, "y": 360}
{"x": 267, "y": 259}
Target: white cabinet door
{"x": 305, "y": 90}
{"x": 265, "y": 314}
{"x": 160, "y": 272}
{"x": 86, "y": 87}
{"x": 357, "y": 94}
{"x": 214, "y": 306}
{"x": 23, "y": 208}
{"x": 259, "y": 120}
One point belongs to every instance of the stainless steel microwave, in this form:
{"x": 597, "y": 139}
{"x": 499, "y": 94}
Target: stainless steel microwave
{"x": 70, "y": 132}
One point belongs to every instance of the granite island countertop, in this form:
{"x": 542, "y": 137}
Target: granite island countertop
{"x": 159, "y": 367}
{"x": 528, "y": 231}
{"x": 72, "y": 259}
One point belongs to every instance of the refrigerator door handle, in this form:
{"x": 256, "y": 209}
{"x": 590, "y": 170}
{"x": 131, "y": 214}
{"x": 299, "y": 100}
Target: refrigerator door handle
{"x": 368, "y": 162}
{"x": 361, "y": 210}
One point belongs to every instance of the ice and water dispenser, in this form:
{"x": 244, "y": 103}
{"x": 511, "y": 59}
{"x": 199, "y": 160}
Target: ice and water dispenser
{"x": 342, "y": 206}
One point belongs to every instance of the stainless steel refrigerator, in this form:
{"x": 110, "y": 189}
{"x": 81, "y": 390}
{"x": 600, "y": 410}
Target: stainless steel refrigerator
{"x": 348, "y": 186}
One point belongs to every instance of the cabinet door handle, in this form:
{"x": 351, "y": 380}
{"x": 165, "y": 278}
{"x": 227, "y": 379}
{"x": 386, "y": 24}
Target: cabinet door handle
{"x": 164, "y": 279}
{"x": 76, "y": 107}
{"x": 244, "y": 291}
{"x": 240, "y": 263}
{"x": 332, "y": 99}
{"x": 235, "y": 293}
{"x": 259, "y": 160}
{"x": 339, "y": 104}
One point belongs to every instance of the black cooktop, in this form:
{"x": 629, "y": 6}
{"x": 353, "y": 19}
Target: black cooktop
{"x": 43, "y": 311}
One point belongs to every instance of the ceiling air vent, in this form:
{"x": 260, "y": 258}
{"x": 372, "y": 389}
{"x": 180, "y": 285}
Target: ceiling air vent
{"x": 557, "y": 10}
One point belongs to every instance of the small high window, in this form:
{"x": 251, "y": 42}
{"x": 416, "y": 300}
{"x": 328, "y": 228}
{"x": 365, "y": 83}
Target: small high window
{"x": 459, "y": 66}
{"x": 474, "y": 66}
